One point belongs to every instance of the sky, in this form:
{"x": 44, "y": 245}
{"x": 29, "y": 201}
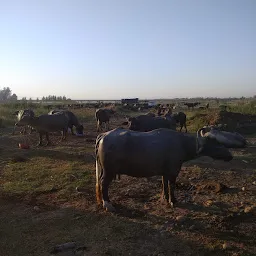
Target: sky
{"x": 113, "y": 49}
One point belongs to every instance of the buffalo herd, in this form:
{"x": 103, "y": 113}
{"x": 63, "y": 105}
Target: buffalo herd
{"x": 148, "y": 146}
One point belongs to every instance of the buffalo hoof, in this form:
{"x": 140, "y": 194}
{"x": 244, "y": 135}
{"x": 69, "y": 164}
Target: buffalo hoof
{"x": 173, "y": 203}
{"x": 108, "y": 206}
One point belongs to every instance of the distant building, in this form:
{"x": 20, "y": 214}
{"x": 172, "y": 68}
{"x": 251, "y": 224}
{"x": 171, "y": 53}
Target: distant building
{"x": 130, "y": 101}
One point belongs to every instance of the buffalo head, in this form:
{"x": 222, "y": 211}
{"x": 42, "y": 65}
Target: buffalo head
{"x": 25, "y": 120}
{"x": 80, "y": 129}
{"x": 210, "y": 146}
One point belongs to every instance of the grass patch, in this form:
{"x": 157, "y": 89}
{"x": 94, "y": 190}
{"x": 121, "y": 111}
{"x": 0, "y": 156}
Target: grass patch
{"x": 42, "y": 174}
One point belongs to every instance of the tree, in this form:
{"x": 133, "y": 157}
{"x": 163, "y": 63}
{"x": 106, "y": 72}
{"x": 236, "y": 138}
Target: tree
{"x": 5, "y": 94}
{"x": 14, "y": 97}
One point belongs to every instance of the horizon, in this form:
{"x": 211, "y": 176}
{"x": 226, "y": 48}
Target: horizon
{"x": 141, "y": 99}
{"x": 145, "y": 49}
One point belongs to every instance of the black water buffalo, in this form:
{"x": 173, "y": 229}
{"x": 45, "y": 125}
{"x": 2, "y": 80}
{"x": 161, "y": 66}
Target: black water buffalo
{"x": 146, "y": 123}
{"x": 103, "y": 115}
{"x": 180, "y": 118}
{"x": 192, "y": 104}
{"x": 73, "y": 121}
{"x": 47, "y": 123}
{"x": 227, "y": 139}
{"x": 19, "y": 114}
{"x": 144, "y": 154}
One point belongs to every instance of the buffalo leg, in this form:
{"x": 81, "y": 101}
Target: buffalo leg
{"x": 47, "y": 138}
{"x": 107, "y": 126}
{"x": 98, "y": 126}
{"x": 40, "y": 139}
{"x": 172, "y": 183}
{"x": 25, "y": 129}
{"x": 165, "y": 192}
{"x": 71, "y": 128}
{"x": 22, "y": 131}
{"x": 64, "y": 134}
{"x": 30, "y": 129}
{"x": 106, "y": 202}
{"x": 14, "y": 128}
{"x": 185, "y": 127}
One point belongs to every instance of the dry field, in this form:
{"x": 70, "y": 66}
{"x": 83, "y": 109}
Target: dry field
{"x": 40, "y": 206}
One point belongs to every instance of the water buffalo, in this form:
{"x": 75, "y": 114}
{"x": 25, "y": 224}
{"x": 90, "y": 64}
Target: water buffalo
{"x": 145, "y": 123}
{"x": 144, "y": 154}
{"x": 103, "y": 115}
{"x": 192, "y": 104}
{"x": 180, "y": 118}
{"x": 73, "y": 121}
{"x": 45, "y": 124}
{"x": 228, "y": 139}
{"x": 19, "y": 114}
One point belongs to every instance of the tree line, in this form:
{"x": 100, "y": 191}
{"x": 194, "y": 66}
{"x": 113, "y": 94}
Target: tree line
{"x": 6, "y": 96}
{"x": 54, "y": 98}
{"x": 48, "y": 98}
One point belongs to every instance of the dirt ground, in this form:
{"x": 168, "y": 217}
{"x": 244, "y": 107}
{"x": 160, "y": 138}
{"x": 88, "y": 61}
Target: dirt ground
{"x": 41, "y": 208}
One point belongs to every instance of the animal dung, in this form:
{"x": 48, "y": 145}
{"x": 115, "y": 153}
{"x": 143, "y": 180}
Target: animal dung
{"x": 23, "y": 146}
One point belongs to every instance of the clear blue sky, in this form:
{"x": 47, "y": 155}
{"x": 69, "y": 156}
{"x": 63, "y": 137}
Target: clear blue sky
{"x": 110, "y": 49}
